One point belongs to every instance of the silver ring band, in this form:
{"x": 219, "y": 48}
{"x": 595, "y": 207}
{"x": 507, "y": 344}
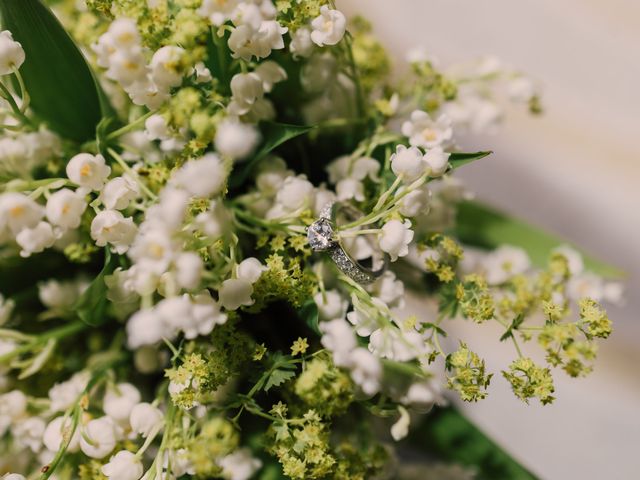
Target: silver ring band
{"x": 322, "y": 238}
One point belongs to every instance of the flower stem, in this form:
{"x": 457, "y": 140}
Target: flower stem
{"x": 131, "y": 172}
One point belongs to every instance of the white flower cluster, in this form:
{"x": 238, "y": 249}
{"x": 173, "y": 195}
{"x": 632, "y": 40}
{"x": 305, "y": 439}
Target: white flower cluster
{"x": 125, "y": 417}
{"x": 20, "y": 153}
{"x": 11, "y": 53}
{"x": 120, "y": 51}
{"x": 247, "y": 96}
{"x": 256, "y": 32}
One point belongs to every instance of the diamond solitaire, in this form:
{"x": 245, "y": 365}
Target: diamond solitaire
{"x": 320, "y": 235}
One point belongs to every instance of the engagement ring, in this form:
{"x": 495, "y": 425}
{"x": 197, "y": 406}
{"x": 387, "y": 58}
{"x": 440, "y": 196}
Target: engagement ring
{"x": 323, "y": 237}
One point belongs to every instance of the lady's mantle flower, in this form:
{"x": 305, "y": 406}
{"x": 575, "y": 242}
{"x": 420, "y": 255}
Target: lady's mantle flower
{"x": 98, "y": 438}
{"x": 124, "y": 465}
{"x": 329, "y": 27}
{"x": 425, "y": 132}
{"x": 65, "y": 208}
{"x": 88, "y": 170}
{"x": 395, "y": 238}
{"x": 11, "y": 53}
{"x": 110, "y": 226}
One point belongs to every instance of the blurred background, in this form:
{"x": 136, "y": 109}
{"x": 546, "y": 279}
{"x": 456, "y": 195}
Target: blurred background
{"x": 574, "y": 171}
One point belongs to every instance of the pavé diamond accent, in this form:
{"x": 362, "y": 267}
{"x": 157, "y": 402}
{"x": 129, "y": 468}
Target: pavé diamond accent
{"x": 320, "y": 235}
{"x": 321, "y": 238}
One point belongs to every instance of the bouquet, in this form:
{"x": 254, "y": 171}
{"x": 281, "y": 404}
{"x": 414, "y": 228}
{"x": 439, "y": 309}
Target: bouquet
{"x": 211, "y": 213}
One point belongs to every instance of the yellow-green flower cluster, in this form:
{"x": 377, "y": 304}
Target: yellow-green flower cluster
{"x": 283, "y": 280}
{"x": 323, "y": 387}
{"x": 530, "y": 381}
{"x": 301, "y": 445}
{"x": 563, "y": 348}
{"x": 476, "y": 302}
{"x": 370, "y": 56}
{"x": 469, "y": 377}
{"x": 444, "y": 262}
{"x": 217, "y": 437}
{"x": 594, "y": 321}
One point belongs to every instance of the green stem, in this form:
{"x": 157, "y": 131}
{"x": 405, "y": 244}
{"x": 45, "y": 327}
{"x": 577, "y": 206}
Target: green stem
{"x": 355, "y": 75}
{"x": 6, "y": 94}
{"x": 23, "y": 91}
{"x": 130, "y": 127}
{"x": 354, "y": 233}
{"x": 131, "y": 172}
{"x": 56, "y": 333}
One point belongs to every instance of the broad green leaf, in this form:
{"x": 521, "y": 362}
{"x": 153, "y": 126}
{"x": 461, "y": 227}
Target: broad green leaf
{"x": 309, "y": 313}
{"x": 481, "y": 226}
{"x": 449, "y": 437}
{"x": 62, "y": 88}
{"x": 274, "y": 135}
{"x": 217, "y": 61}
{"x": 92, "y": 305}
{"x": 458, "y": 160}
{"x": 278, "y": 377}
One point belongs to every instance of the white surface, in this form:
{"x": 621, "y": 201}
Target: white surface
{"x": 575, "y": 171}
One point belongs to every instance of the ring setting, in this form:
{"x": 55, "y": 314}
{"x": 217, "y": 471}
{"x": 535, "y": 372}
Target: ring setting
{"x": 322, "y": 237}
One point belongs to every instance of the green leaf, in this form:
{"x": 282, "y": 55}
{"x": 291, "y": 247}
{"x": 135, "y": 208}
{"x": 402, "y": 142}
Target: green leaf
{"x": 309, "y": 313}
{"x": 62, "y": 88}
{"x": 217, "y": 61}
{"x": 481, "y": 226}
{"x": 457, "y": 160}
{"x": 274, "y": 135}
{"x": 278, "y": 377}
{"x": 446, "y": 434}
{"x": 514, "y": 326}
{"x": 92, "y": 305}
